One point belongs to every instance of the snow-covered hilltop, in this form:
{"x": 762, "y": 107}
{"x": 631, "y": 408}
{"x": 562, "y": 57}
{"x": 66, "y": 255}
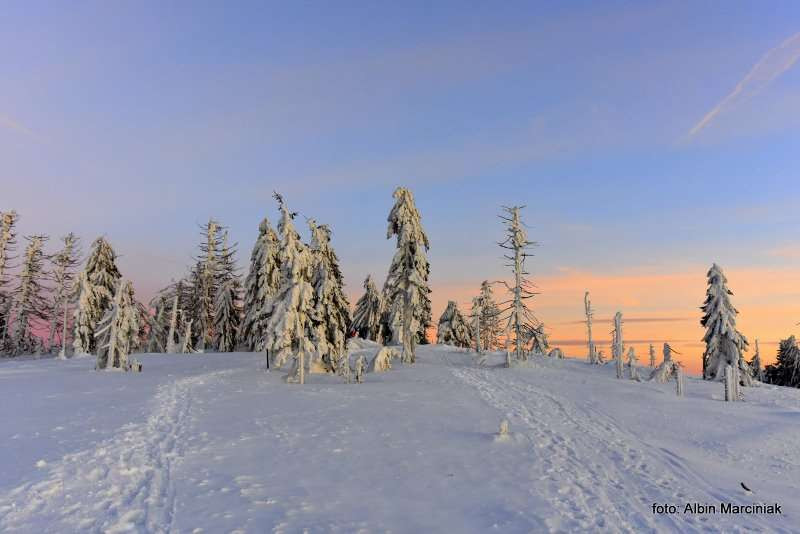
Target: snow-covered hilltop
{"x": 212, "y": 442}
{"x": 389, "y": 433}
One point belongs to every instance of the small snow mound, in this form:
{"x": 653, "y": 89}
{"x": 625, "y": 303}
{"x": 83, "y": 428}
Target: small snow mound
{"x": 356, "y": 343}
{"x": 382, "y": 360}
{"x": 503, "y": 434}
{"x": 129, "y": 522}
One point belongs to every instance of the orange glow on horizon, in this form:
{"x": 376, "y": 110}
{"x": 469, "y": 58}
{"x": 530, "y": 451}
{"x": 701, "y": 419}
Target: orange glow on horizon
{"x": 656, "y": 307}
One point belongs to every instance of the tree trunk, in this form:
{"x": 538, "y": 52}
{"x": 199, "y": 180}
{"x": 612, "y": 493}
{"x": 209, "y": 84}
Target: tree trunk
{"x": 63, "y": 353}
{"x": 478, "y": 334}
{"x": 729, "y": 393}
{"x": 52, "y": 333}
{"x": 173, "y": 321}
{"x": 408, "y": 335}
{"x": 518, "y": 304}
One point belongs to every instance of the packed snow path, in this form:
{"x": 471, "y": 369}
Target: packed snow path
{"x": 596, "y": 475}
{"x": 124, "y": 484}
{"x": 213, "y": 443}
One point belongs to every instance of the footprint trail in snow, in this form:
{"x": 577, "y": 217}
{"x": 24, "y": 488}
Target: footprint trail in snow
{"x": 123, "y": 484}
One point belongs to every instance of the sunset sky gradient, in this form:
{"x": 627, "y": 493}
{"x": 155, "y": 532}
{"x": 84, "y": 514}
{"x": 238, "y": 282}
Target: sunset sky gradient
{"x": 647, "y": 140}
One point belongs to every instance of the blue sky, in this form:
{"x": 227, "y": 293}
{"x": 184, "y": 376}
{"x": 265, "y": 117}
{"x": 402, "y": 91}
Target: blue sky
{"x": 139, "y": 120}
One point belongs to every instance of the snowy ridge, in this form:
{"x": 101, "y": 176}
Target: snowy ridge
{"x": 122, "y": 485}
{"x": 567, "y": 443}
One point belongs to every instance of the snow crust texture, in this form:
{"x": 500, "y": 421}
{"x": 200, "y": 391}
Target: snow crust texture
{"x": 124, "y": 484}
{"x": 214, "y": 443}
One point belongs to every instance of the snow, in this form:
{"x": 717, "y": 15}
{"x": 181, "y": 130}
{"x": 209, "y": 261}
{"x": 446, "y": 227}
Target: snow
{"x": 214, "y": 443}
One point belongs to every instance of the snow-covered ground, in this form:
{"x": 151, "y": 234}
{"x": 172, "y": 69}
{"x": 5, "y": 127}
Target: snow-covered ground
{"x": 213, "y": 443}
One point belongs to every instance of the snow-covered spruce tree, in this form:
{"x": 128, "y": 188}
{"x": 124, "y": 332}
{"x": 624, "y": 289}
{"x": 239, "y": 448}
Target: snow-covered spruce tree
{"x": 186, "y": 339}
{"x": 84, "y": 325}
{"x": 288, "y": 311}
{"x": 475, "y": 316}
{"x": 618, "y": 346}
{"x": 149, "y": 329}
{"x": 30, "y": 311}
{"x": 538, "y": 340}
{"x": 190, "y": 303}
{"x": 227, "y": 311}
{"x": 207, "y": 283}
{"x": 667, "y": 369}
{"x": 65, "y": 263}
{"x": 786, "y": 369}
{"x": 521, "y": 323}
{"x": 262, "y": 282}
{"x": 167, "y": 317}
{"x": 226, "y": 317}
{"x": 756, "y": 370}
{"x": 490, "y": 318}
{"x": 116, "y": 334}
{"x": 652, "y": 356}
{"x": 587, "y": 305}
{"x": 172, "y": 344}
{"x": 330, "y": 315}
{"x": 158, "y": 324}
{"x": 367, "y": 315}
{"x": 97, "y": 288}
{"x": 667, "y": 353}
{"x": 632, "y": 359}
{"x": 724, "y": 344}
{"x": 406, "y": 293}
{"x": 453, "y": 328}
{"x": 8, "y": 243}
{"x": 8, "y": 246}
{"x": 5, "y": 315}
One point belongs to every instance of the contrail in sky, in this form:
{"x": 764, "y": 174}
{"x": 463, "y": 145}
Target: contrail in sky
{"x": 11, "y": 124}
{"x": 774, "y": 63}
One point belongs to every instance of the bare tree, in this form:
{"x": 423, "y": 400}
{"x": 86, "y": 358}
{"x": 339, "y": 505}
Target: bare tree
{"x": 589, "y": 316}
{"x": 618, "y": 348}
{"x": 521, "y": 323}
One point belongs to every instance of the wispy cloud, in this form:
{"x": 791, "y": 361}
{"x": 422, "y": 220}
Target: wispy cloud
{"x": 16, "y": 126}
{"x": 11, "y": 124}
{"x": 789, "y": 252}
{"x": 581, "y": 342}
{"x": 774, "y": 63}
{"x": 638, "y": 320}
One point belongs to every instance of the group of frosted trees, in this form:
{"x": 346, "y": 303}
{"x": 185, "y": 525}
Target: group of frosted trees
{"x": 512, "y": 319}
{"x": 401, "y": 312}
{"x": 109, "y": 322}
{"x": 786, "y": 369}
{"x": 292, "y": 305}
{"x": 723, "y": 358}
{"x": 667, "y": 370}
{"x": 36, "y": 290}
{"x": 201, "y": 312}
{"x": 48, "y": 300}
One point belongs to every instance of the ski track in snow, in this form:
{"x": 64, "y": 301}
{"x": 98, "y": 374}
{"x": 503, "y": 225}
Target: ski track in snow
{"x": 123, "y": 484}
{"x": 596, "y": 475}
